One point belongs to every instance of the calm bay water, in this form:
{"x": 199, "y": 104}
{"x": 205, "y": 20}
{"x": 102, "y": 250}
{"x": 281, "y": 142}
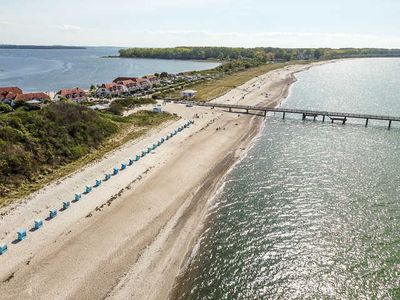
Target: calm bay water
{"x": 50, "y": 70}
{"x": 313, "y": 211}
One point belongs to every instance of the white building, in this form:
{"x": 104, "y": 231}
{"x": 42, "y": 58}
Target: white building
{"x": 189, "y": 94}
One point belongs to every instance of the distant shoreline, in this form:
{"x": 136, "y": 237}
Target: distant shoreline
{"x": 34, "y": 47}
{"x": 199, "y": 60}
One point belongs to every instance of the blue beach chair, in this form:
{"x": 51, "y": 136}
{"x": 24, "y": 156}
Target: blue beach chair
{"x": 115, "y": 171}
{"x": 123, "y": 166}
{"x": 21, "y": 234}
{"x": 88, "y": 189}
{"x": 107, "y": 177}
{"x": 98, "y": 183}
{"x": 3, "y": 248}
{"x": 131, "y": 162}
{"x": 66, "y": 205}
{"x": 38, "y": 223}
{"x": 137, "y": 157}
{"x": 52, "y": 213}
{"x": 78, "y": 197}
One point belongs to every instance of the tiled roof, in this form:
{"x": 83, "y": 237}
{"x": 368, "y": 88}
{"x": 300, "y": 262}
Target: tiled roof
{"x": 10, "y": 89}
{"x": 67, "y": 92}
{"x": 32, "y": 96}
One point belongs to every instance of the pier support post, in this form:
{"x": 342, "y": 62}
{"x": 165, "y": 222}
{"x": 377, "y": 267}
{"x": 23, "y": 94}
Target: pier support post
{"x": 323, "y": 118}
{"x": 315, "y": 116}
{"x": 230, "y": 109}
{"x": 265, "y": 114}
{"x": 304, "y": 116}
{"x": 366, "y": 122}
{"x": 344, "y": 120}
{"x": 247, "y": 111}
{"x": 390, "y": 124}
{"x": 284, "y": 115}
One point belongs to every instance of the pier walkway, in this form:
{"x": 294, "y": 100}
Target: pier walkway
{"x": 332, "y": 116}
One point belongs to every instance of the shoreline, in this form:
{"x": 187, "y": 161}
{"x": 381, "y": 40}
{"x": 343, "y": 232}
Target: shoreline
{"x": 176, "y": 290}
{"x": 147, "y": 232}
{"x": 195, "y": 60}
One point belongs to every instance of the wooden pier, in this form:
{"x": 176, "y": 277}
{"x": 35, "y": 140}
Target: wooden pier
{"x": 342, "y": 117}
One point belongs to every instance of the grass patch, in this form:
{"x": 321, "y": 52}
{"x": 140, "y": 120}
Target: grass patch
{"x": 211, "y": 89}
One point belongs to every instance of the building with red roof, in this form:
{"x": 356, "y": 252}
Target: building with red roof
{"x": 76, "y": 94}
{"x": 111, "y": 89}
{"x": 8, "y": 94}
{"x": 131, "y": 85}
{"x": 42, "y": 97}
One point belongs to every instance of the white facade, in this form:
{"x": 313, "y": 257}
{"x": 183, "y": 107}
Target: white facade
{"x": 189, "y": 94}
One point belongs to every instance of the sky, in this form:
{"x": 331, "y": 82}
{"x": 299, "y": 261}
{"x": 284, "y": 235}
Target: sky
{"x": 168, "y": 23}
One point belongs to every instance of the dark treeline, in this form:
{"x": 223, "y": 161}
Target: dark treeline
{"x": 259, "y": 54}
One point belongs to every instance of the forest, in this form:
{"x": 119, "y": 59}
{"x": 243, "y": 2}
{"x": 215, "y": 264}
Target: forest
{"x": 259, "y": 54}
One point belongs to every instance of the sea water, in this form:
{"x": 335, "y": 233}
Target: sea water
{"x": 313, "y": 211}
{"x": 53, "y": 69}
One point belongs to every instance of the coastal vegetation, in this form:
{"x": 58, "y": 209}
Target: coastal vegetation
{"x": 223, "y": 82}
{"x": 239, "y": 65}
{"x": 260, "y": 54}
{"x": 39, "y": 146}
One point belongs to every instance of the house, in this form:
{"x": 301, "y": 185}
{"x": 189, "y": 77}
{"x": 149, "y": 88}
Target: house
{"x": 188, "y": 94}
{"x": 152, "y": 79}
{"x": 131, "y": 85}
{"x": 111, "y": 89}
{"x": 143, "y": 83}
{"x": 8, "y": 94}
{"x": 42, "y": 97}
{"x": 118, "y": 79}
{"x": 77, "y": 95}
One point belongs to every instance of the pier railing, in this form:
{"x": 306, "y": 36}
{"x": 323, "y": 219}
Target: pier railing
{"x": 333, "y": 116}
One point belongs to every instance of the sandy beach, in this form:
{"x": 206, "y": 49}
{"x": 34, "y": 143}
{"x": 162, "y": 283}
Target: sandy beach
{"x": 129, "y": 238}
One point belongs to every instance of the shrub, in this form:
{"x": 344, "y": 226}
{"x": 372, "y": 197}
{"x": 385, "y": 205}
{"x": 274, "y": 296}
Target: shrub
{"x": 32, "y": 142}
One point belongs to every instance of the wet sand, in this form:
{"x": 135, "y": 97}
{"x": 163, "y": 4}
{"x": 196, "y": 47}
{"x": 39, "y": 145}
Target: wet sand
{"x": 129, "y": 238}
